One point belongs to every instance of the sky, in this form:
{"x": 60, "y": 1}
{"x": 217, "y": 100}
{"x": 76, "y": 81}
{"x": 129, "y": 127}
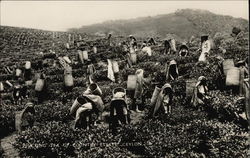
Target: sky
{"x": 62, "y": 15}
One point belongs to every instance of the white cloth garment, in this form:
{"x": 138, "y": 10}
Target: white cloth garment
{"x": 147, "y": 50}
{"x": 206, "y": 46}
{"x": 202, "y": 56}
{"x": 84, "y": 107}
{"x": 173, "y": 45}
{"x": 201, "y": 89}
{"x": 144, "y": 49}
{"x": 119, "y": 95}
{"x": 110, "y": 71}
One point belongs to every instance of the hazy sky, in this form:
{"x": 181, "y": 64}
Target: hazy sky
{"x": 61, "y": 15}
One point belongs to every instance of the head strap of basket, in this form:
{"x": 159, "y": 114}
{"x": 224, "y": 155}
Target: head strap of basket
{"x": 139, "y": 72}
{"x": 30, "y": 104}
{"x": 200, "y": 79}
{"x": 119, "y": 91}
{"x": 220, "y": 58}
{"x": 240, "y": 63}
{"x": 167, "y": 85}
{"x": 119, "y": 95}
{"x": 172, "y": 62}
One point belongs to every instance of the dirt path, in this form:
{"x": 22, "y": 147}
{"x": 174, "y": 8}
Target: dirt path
{"x": 8, "y": 148}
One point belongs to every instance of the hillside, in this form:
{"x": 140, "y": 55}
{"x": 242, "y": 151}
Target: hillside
{"x": 216, "y": 129}
{"x": 183, "y": 23}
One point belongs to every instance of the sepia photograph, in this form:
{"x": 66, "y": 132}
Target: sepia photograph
{"x": 107, "y": 79}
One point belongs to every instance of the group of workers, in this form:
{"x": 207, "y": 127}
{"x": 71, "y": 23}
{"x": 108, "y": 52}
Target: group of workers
{"x": 161, "y": 102}
{"x": 90, "y": 102}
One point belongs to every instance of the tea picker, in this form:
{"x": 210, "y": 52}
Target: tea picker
{"x": 94, "y": 48}
{"x": 183, "y": 51}
{"x": 68, "y": 78}
{"x": 27, "y": 73}
{"x": 110, "y": 74}
{"x": 147, "y": 49}
{"x": 119, "y": 111}
{"x": 205, "y": 48}
{"x": 151, "y": 41}
{"x": 50, "y": 55}
{"x": 41, "y": 88}
{"x": 167, "y": 47}
{"x": 168, "y": 98}
{"x": 90, "y": 72}
{"x": 19, "y": 92}
{"x": 18, "y": 72}
{"x": 85, "y": 105}
{"x": 131, "y": 57}
{"x": 140, "y": 86}
{"x": 220, "y": 79}
{"x": 132, "y": 42}
{"x": 162, "y": 100}
{"x": 82, "y": 55}
{"x": 109, "y": 39}
{"x": 171, "y": 70}
{"x": 113, "y": 70}
{"x": 109, "y": 36}
{"x": 25, "y": 118}
{"x": 200, "y": 93}
{"x": 1, "y": 91}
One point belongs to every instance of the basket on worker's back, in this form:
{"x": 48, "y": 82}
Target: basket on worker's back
{"x": 118, "y": 89}
{"x": 227, "y": 64}
{"x": 25, "y": 118}
{"x": 233, "y": 77}
{"x": 190, "y": 84}
{"x": 131, "y": 82}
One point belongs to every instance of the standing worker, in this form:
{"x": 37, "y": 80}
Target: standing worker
{"x": 183, "y": 52}
{"x": 172, "y": 71}
{"x": 244, "y": 73}
{"x": 18, "y": 72}
{"x": 151, "y": 41}
{"x": 205, "y": 48}
{"x": 163, "y": 101}
{"x": 40, "y": 88}
{"x": 141, "y": 84}
{"x": 109, "y": 39}
{"x": 132, "y": 41}
{"x": 90, "y": 71}
{"x": 200, "y": 94}
{"x": 19, "y": 92}
{"x": 167, "y": 47}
